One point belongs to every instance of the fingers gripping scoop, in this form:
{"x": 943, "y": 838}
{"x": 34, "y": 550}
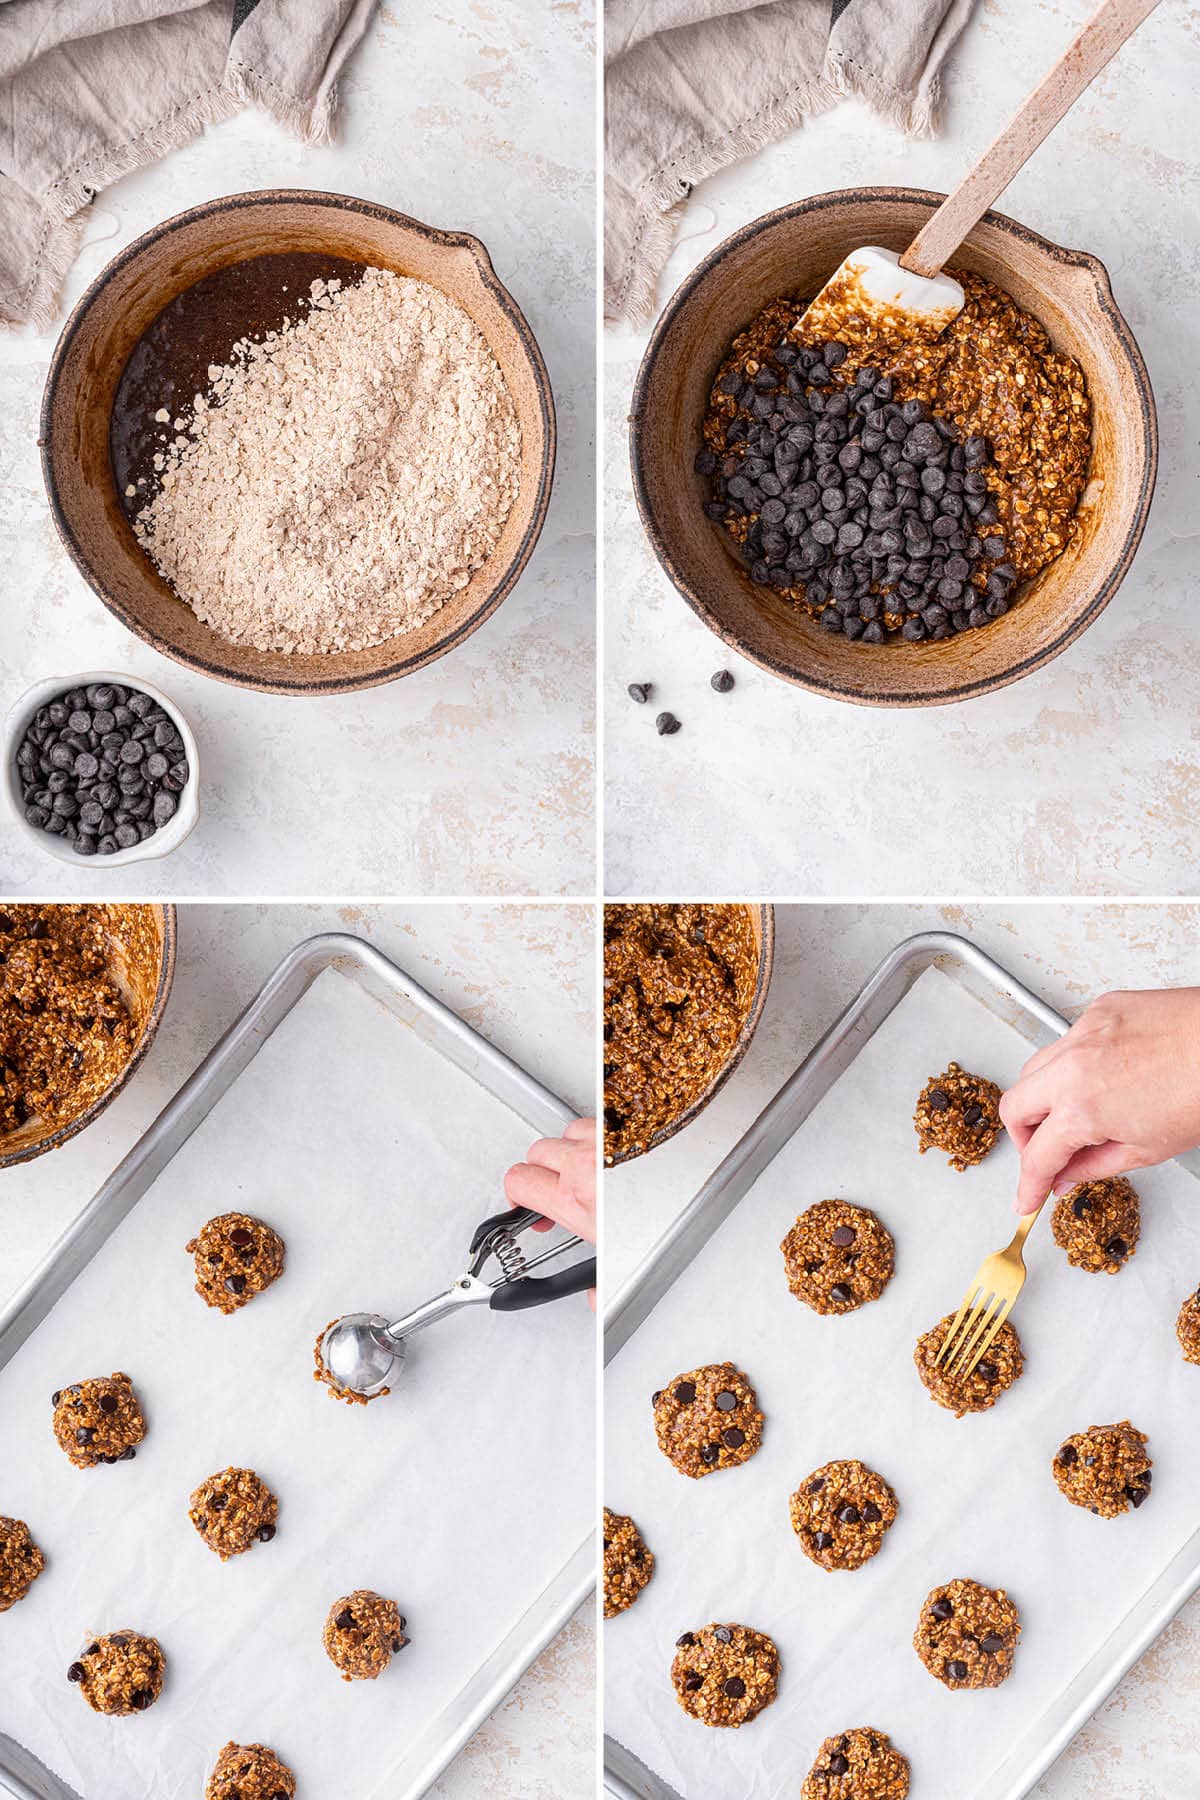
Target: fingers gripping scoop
{"x": 870, "y": 298}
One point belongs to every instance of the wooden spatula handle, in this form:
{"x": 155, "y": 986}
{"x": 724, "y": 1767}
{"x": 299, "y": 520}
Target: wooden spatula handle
{"x": 1075, "y": 70}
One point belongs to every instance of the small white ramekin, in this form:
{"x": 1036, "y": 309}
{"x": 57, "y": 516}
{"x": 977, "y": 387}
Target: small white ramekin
{"x": 163, "y": 841}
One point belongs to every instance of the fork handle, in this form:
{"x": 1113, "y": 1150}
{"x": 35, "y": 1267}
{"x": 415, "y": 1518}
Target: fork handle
{"x": 1027, "y": 1223}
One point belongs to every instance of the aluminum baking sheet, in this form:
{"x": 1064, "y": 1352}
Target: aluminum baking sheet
{"x": 976, "y": 1495}
{"x": 371, "y": 1126}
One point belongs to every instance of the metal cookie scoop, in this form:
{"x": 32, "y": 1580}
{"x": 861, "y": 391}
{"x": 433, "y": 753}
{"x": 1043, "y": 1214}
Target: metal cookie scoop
{"x": 362, "y": 1353}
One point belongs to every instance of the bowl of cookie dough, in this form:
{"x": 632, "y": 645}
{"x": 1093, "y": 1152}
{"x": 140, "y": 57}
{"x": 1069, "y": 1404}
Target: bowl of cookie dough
{"x": 685, "y": 984}
{"x": 83, "y": 989}
{"x": 299, "y": 441}
{"x": 894, "y": 525}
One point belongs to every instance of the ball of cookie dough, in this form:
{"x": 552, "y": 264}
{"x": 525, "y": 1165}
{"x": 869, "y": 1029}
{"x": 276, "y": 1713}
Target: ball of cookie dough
{"x": 1104, "y": 1468}
{"x": 992, "y": 1375}
{"x": 21, "y": 1562}
{"x": 1187, "y": 1328}
{"x": 98, "y": 1421}
{"x": 841, "y": 1513}
{"x": 838, "y": 1257}
{"x": 1098, "y": 1224}
{"x": 725, "y": 1674}
{"x": 967, "y": 1635}
{"x": 362, "y": 1634}
{"x": 862, "y": 1764}
{"x": 250, "y": 1772}
{"x": 707, "y": 1419}
{"x": 336, "y": 1391}
{"x": 121, "y": 1673}
{"x": 628, "y": 1565}
{"x": 232, "y": 1511}
{"x": 236, "y": 1257}
{"x": 960, "y": 1114}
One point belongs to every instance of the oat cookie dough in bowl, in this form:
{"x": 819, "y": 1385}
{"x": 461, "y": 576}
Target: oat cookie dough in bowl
{"x": 83, "y": 988}
{"x": 685, "y": 985}
{"x": 299, "y": 441}
{"x": 1022, "y": 518}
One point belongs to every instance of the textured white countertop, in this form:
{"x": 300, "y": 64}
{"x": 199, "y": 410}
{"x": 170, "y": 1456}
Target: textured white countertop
{"x": 473, "y": 776}
{"x": 1082, "y": 778}
{"x": 1144, "y": 1743}
{"x": 524, "y": 977}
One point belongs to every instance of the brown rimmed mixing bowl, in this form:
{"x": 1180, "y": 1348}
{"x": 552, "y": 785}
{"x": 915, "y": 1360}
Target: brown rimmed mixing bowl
{"x": 129, "y": 295}
{"x": 762, "y": 926}
{"x": 142, "y": 943}
{"x": 793, "y": 251}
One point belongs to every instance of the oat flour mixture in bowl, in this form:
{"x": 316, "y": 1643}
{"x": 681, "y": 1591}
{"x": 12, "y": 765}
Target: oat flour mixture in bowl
{"x": 299, "y": 441}
{"x": 894, "y": 524}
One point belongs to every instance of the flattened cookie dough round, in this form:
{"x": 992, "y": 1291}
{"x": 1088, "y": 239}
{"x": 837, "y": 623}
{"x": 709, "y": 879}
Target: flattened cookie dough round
{"x": 841, "y": 1514}
{"x": 21, "y": 1562}
{"x": 121, "y": 1673}
{"x": 708, "y": 1419}
{"x": 232, "y": 1511}
{"x": 628, "y": 1565}
{"x": 1098, "y": 1224}
{"x": 362, "y": 1634}
{"x": 237, "y": 1256}
{"x": 1187, "y": 1328}
{"x": 991, "y": 1377}
{"x": 960, "y": 1114}
{"x": 98, "y": 1421}
{"x": 250, "y": 1772}
{"x": 725, "y": 1674}
{"x": 967, "y": 1635}
{"x": 1105, "y": 1469}
{"x": 838, "y": 1257}
{"x": 862, "y": 1764}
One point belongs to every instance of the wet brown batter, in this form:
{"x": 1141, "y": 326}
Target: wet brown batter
{"x": 170, "y": 364}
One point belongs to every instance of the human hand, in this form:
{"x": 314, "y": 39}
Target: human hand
{"x": 1120, "y": 1090}
{"x": 558, "y": 1178}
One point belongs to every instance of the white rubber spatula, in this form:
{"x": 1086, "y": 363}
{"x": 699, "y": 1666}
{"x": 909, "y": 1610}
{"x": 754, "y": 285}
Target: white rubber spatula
{"x": 906, "y": 297}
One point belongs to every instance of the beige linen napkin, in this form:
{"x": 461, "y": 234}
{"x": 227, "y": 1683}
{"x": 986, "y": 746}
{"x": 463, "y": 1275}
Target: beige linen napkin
{"x": 691, "y": 85}
{"x": 90, "y": 89}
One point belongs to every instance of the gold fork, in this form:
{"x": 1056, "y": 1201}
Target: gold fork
{"x": 989, "y": 1299}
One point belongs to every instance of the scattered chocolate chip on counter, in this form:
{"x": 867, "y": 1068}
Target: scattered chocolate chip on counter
{"x": 98, "y": 1421}
{"x": 640, "y": 691}
{"x": 1105, "y": 1469}
{"x": 102, "y": 767}
{"x": 362, "y": 1634}
{"x": 628, "y": 1564}
{"x": 21, "y": 1562}
{"x": 120, "y": 1674}
{"x": 722, "y": 682}
{"x": 666, "y": 724}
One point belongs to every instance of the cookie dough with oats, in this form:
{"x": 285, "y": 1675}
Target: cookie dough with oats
{"x": 967, "y": 1634}
{"x": 21, "y": 1562}
{"x": 992, "y": 1376}
{"x": 838, "y": 1256}
{"x": 98, "y": 1421}
{"x": 860, "y": 1764}
{"x": 237, "y": 1256}
{"x": 250, "y": 1772}
{"x": 707, "y": 1419}
{"x": 679, "y": 983}
{"x": 337, "y": 1392}
{"x": 1098, "y": 1224}
{"x": 65, "y": 1030}
{"x": 1105, "y": 1469}
{"x": 960, "y": 1114}
{"x": 120, "y": 1674}
{"x": 362, "y": 1634}
{"x": 233, "y": 1511}
{"x": 1187, "y": 1328}
{"x": 628, "y": 1565}
{"x": 841, "y": 1514}
{"x": 725, "y": 1674}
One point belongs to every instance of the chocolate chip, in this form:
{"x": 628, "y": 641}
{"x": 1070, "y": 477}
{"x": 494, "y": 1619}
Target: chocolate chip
{"x": 265, "y": 1533}
{"x": 398, "y": 1645}
{"x": 843, "y": 1235}
{"x": 871, "y": 1514}
{"x": 236, "y": 1284}
{"x": 1116, "y": 1247}
{"x": 722, "y": 1634}
{"x": 722, "y": 681}
{"x": 1068, "y": 1455}
{"x": 140, "y": 1699}
{"x": 816, "y": 1484}
{"x": 733, "y": 1437}
{"x": 76, "y": 1672}
{"x": 735, "y": 1687}
{"x": 972, "y": 1115}
{"x": 218, "y": 1502}
{"x": 345, "y": 1620}
{"x": 938, "y": 1101}
{"x": 841, "y": 1293}
{"x": 709, "y": 1453}
{"x": 685, "y": 1642}
{"x": 991, "y": 1643}
{"x": 640, "y": 691}
{"x": 838, "y": 1764}
{"x": 848, "y": 1515}
{"x": 725, "y": 1401}
{"x": 823, "y": 1539}
{"x": 685, "y": 1393}
{"x": 1146, "y": 1477}
{"x": 656, "y": 1396}
{"x": 108, "y": 1403}
{"x": 692, "y": 1683}
{"x": 987, "y": 1371}
{"x": 56, "y": 1397}
{"x": 128, "y": 1454}
{"x": 942, "y": 1608}
{"x": 239, "y": 1235}
{"x": 666, "y": 724}
{"x": 957, "y": 1671}
{"x": 1137, "y": 1495}
{"x": 85, "y": 1434}
{"x": 92, "y": 1650}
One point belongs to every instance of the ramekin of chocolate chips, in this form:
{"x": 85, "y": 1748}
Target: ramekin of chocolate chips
{"x": 867, "y": 512}
{"x": 101, "y": 769}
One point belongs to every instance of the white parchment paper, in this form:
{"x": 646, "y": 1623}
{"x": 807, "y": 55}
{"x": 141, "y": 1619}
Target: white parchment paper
{"x": 460, "y": 1495}
{"x": 976, "y": 1495}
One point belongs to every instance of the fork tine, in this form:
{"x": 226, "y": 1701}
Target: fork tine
{"x": 1005, "y": 1308}
{"x": 980, "y": 1322}
{"x": 972, "y": 1295}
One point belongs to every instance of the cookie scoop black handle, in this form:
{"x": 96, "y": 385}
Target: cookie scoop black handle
{"x": 533, "y": 1290}
{"x": 513, "y": 1218}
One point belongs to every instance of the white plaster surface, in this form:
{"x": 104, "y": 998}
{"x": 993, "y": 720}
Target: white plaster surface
{"x": 1144, "y": 1743}
{"x": 475, "y": 775}
{"x": 1081, "y": 778}
{"x": 524, "y": 977}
